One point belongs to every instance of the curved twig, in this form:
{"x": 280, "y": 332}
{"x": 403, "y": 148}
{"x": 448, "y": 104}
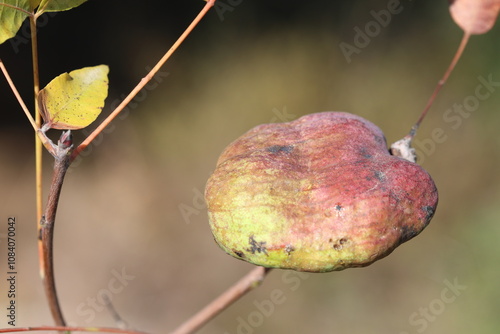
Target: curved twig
{"x": 249, "y": 282}
{"x": 47, "y": 223}
{"x": 68, "y": 328}
{"x": 440, "y": 84}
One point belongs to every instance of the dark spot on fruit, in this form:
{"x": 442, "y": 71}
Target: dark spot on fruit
{"x": 339, "y": 244}
{"x": 338, "y": 207}
{"x": 380, "y": 176}
{"x": 255, "y": 246}
{"x": 289, "y": 249}
{"x": 239, "y": 253}
{"x": 280, "y": 148}
{"x": 407, "y": 233}
{"x": 380, "y": 139}
{"x": 429, "y": 213}
{"x": 364, "y": 153}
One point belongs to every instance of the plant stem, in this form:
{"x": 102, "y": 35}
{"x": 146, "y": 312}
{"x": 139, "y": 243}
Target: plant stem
{"x": 440, "y": 84}
{"x": 38, "y": 118}
{"x": 249, "y": 282}
{"x": 38, "y": 143}
{"x": 143, "y": 81}
{"x": 47, "y": 223}
{"x": 67, "y": 328}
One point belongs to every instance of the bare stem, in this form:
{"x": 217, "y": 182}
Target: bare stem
{"x": 143, "y": 82}
{"x": 249, "y": 282}
{"x": 67, "y": 328}
{"x": 38, "y": 118}
{"x": 38, "y": 145}
{"x": 47, "y": 223}
{"x": 440, "y": 84}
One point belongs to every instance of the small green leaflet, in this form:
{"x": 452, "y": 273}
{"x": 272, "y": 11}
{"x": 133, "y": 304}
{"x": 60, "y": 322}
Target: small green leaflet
{"x": 11, "y": 18}
{"x": 74, "y": 100}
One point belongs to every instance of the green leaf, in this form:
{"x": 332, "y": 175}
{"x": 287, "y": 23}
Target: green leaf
{"x": 74, "y": 100}
{"x": 34, "y": 3}
{"x": 11, "y": 17}
{"x": 59, "y": 5}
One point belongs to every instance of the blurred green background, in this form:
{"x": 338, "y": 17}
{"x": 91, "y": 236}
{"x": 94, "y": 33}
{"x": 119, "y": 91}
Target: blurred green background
{"x": 132, "y": 202}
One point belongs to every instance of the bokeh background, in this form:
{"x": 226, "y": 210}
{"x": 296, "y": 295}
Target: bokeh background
{"x": 132, "y": 203}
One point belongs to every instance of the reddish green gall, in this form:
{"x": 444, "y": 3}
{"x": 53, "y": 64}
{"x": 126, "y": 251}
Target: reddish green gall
{"x": 317, "y": 194}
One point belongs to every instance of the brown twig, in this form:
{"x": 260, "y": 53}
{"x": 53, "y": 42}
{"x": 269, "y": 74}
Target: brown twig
{"x": 143, "y": 82}
{"x": 249, "y": 282}
{"x": 20, "y": 100}
{"x": 440, "y": 84}
{"x": 68, "y": 328}
{"x": 47, "y": 224}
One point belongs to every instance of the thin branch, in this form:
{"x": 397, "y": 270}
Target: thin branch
{"x": 47, "y": 224}
{"x": 38, "y": 142}
{"x": 38, "y": 118}
{"x": 17, "y": 95}
{"x": 249, "y": 282}
{"x": 68, "y": 328}
{"x": 143, "y": 82}
{"x": 441, "y": 83}
{"x": 42, "y": 138}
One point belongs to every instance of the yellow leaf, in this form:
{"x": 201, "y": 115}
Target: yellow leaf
{"x": 74, "y": 100}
